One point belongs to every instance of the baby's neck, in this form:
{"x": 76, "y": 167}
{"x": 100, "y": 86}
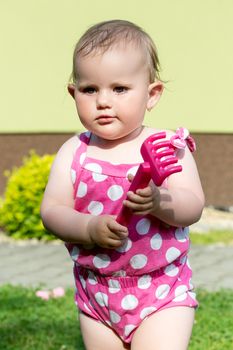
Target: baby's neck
{"x": 121, "y": 151}
{"x": 108, "y": 144}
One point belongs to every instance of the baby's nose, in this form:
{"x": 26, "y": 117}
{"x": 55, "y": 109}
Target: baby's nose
{"x": 103, "y": 100}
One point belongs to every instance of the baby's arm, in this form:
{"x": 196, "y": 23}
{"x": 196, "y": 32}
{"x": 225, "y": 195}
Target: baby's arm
{"x": 180, "y": 204}
{"x": 58, "y": 214}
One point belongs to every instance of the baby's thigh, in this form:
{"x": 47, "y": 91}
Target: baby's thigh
{"x": 169, "y": 328}
{"x": 97, "y": 336}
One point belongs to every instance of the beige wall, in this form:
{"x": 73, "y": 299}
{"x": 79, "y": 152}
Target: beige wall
{"x": 214, "y": 159}
{"x": 194, "y": 39}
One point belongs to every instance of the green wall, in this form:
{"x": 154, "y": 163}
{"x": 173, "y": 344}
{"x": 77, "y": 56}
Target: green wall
{"x": 194, "y": 40}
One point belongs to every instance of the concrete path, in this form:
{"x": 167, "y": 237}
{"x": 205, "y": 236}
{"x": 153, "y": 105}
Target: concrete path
{"x": 49, "y": 265}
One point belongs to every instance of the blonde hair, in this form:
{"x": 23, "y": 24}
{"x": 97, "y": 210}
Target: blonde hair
{"x": 104, "y": 35}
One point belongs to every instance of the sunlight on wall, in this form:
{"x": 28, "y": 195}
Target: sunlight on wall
{"x": 194, "y": 40}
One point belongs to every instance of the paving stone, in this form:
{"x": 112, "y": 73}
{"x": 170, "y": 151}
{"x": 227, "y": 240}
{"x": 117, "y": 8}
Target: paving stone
{"x": 50, "y": 265}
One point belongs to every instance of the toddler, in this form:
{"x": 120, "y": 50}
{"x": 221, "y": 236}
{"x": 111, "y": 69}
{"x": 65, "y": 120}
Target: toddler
{"x": 133, "y": 284}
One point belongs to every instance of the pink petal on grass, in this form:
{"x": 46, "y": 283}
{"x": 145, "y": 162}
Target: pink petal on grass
{"x": 43, "y": 294}
{"x": 58, "y": 292}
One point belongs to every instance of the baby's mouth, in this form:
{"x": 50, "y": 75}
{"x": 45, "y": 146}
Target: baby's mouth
{"x": 105, "y": 119}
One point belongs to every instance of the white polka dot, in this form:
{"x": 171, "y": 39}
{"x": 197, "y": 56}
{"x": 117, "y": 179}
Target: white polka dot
{"x": 96, "y": 171}
{"x": 147, "y": 311}
{"x": 125, "y": 247}
{"x": 99, "y": 177}
{"x": 138, "y": 261}
{"x": 162, "y": 291}
{"x": 91, "y": 303}
{"x": 192, "y": 295}
{"x": 82, "y": 189}
{"x": 171, "y": 270}
{"x": 74, "y": 253}
{"x": 144, "y": 282}
{"x": 180, "y": 290}
{"x": 114, "y": 286}
{"x": 181, "y": 234}
{"x": 101, "y": 298}
{"x": 180, "y": 293}
{"x": 172, "y": 254}
{"x": 115, "y": 192}
{"x": 95, "y": 167}
{"x": 95, "y": 208}
{"x": 101, "y": 261}
{"x": 183, "y": 259}
{"x": 129, "y": 302}
{"x": 188, "y": 264}
{"x": 73, "y": 176}
{"x": 82, "y": 158}
{"x": 132, "y": 171}
{"x": 114, "y": 317}
{"x": 191, "y": 286}
{"x": 91, "y": 278}
{"x": 83, "y": 282}
{"x": 86, "y": 307}
{"x": 156, "y": 242}
{"x": 128, "y": 329}
{"x": 143, "y": 226}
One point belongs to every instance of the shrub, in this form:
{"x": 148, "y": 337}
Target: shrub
{"x": 20, "y": 207}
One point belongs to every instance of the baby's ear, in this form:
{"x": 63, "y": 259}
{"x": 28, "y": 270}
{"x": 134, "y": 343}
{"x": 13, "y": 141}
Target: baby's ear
{"x": 71, "y": 89}
{"x": 155, "y": 91}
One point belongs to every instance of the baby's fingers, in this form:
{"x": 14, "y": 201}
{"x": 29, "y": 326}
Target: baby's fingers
{"x": 139, "y": 207}
{"x": 139, "y": 197}
{"x": 119, "y": 230}
{"x": 114, "y": 243}
{"x": 144, "y": 192}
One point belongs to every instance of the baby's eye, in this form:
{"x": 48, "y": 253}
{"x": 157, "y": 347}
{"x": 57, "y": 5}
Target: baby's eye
{"x": 89, "y": 90}
{"x": 120, "y": 89}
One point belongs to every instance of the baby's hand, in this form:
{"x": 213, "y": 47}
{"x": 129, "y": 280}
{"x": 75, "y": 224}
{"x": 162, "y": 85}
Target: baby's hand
{"x": 143, "y": 201}
{"x": 106, "y": 232}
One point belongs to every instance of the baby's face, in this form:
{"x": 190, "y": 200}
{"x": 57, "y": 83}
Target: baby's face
{"x": 112, "y": 92}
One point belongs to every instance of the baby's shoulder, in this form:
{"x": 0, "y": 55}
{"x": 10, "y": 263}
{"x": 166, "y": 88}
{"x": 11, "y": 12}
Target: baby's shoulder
{"x": 70, "y": 146}
{"x": 151, "y": 131}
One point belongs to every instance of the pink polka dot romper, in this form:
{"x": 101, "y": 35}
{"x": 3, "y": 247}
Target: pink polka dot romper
{"x": 121, "y": 287}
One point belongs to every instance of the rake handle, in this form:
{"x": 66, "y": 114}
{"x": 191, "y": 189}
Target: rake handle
{"x": 140, "y": 180}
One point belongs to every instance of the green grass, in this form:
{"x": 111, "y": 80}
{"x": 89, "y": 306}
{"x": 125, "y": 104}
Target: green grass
{"x": 213, "y": 321}
{"x": 212, "y": 237}
{"x": 29, "y": 323}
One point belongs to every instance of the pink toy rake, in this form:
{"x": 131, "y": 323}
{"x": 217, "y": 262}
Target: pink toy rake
{"x": 159, "y": 162}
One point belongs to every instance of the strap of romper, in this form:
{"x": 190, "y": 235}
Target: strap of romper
{"x": 84, "y": 139}
{"x": 79, "y": 157}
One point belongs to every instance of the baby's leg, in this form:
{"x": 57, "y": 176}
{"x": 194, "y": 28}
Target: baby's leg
{"x": 170, "y": 328}
{"x": 97, "y": 336}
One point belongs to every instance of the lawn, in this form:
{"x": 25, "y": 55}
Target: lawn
{"x": 29, "y": 323}
{"x": 212, "y": 237}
